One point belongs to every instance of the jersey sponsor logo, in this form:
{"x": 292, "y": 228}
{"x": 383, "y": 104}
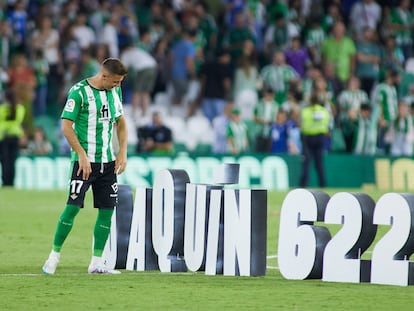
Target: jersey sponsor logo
{"x": 115, "y": 187}
{"x": 70, "y": 105}
{"x": 104, "y": 113}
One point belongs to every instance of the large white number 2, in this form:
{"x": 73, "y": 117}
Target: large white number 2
{"x": 342, "y": 258}
{"x": 301, "y": 244}
{"x": 390, "y": 257}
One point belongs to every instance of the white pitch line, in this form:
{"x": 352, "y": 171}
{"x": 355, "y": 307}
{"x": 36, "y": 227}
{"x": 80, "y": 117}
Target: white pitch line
{"x": 271, "y": 256}
{"x": 21, "y": 274}
{"x": 83, "y": 274}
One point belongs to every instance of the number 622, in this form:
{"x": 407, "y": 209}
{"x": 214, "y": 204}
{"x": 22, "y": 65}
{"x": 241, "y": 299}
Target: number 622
{"x": 308, "y": 251}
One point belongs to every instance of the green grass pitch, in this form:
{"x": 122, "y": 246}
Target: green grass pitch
{"x": 27, "y": 223}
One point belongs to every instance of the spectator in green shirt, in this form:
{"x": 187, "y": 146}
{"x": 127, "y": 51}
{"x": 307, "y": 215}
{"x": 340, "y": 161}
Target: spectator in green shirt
{"x": 340, "y": 49}
{"x": 385, "y": 100}
{"x": 237, "y": 35}
{"x": 401, "y": 21}
{"x": 392, "y": 55}
{"x": 208, "y": 27}
{"x": 368, "y": 60}
{"x": 237, "y": 136}
{"x": 264, "y": 113}
{"x": 279, "y": 76}
{"x": 315, "y": 36}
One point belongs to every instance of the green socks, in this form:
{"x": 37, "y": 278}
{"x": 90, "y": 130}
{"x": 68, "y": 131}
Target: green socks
{"x": 100, "y": 234}
{"x": 64, "y": 226}
{"x": 101, "y": 231}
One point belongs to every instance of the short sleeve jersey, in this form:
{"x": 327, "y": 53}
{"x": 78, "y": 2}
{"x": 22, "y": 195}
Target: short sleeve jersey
{"x": 94, "y": 112}
{"x": 238, "y": 131}
{"x": 339, "y": 52}
{"x": 386, "y": 97}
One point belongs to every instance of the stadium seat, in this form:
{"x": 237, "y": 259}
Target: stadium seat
{"x": 203, "y": 149}
{"x": 161, "y": 104}
{"x": 161, "y": 99}
{"x": 337, "y": 143}
{"x": 177, "y": 126}
{"x": 179, "y": 147}
{"x": 162, "y": 110}
{"x": 409, "y": 65}
{"x": 131, "y": 148}
{"x": 200, "y": 129}
{"x": 46, "y": 122}
{"x": 131, "y": 127}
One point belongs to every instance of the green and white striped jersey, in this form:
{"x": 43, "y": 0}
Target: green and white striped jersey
{"x": 402, "y": 18}
{"x": 385, "y": 96}
{"x": 93, "y": 112}
{"x": 266, "y": 111}
{"x": 366, "y": 136}
{"x": 238, "y": 131}
{"x": 315, "y": 37}
{"x": 348, "y": 99}
{"x": 278, "y": 77}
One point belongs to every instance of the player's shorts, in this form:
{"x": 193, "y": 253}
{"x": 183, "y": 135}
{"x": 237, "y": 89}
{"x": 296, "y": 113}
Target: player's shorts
{"x": 104, "y": 186}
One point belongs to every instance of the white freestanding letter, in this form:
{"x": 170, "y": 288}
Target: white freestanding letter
{"x": 213, "y": 231}
{"x": 194, "y": 230}
{"x": 136, "y": 248}
{"x": 237, "y": 231}
{"x": 163, "y": 218}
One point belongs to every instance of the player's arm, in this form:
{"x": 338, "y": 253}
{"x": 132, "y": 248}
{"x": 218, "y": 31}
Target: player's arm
{"x": 84, "y": 163}
{"x": 121, "y": 158}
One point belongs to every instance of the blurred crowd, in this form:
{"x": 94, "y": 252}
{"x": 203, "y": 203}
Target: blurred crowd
{"x": 247, "y": 66}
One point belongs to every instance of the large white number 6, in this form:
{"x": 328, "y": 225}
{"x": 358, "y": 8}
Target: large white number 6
{"x": 301, "y": 245}
{"x": 390, "y": 257}
{"x": 342, "y": 259}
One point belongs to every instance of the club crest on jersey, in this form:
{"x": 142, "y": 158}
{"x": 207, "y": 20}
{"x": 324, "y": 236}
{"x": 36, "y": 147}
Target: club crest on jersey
{"x": 70, "y": 105}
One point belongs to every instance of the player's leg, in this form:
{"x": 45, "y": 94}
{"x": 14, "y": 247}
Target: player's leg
{"x": 64, "y": 226}
{"x": 100, "y": 235}
{"x": 105, "y": 192}
{"x": 101, "y": 231}
{"x": 77, "y": 191}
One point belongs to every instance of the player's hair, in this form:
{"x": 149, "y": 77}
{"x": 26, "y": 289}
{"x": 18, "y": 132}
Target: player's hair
{"x": 115, "y": 66}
